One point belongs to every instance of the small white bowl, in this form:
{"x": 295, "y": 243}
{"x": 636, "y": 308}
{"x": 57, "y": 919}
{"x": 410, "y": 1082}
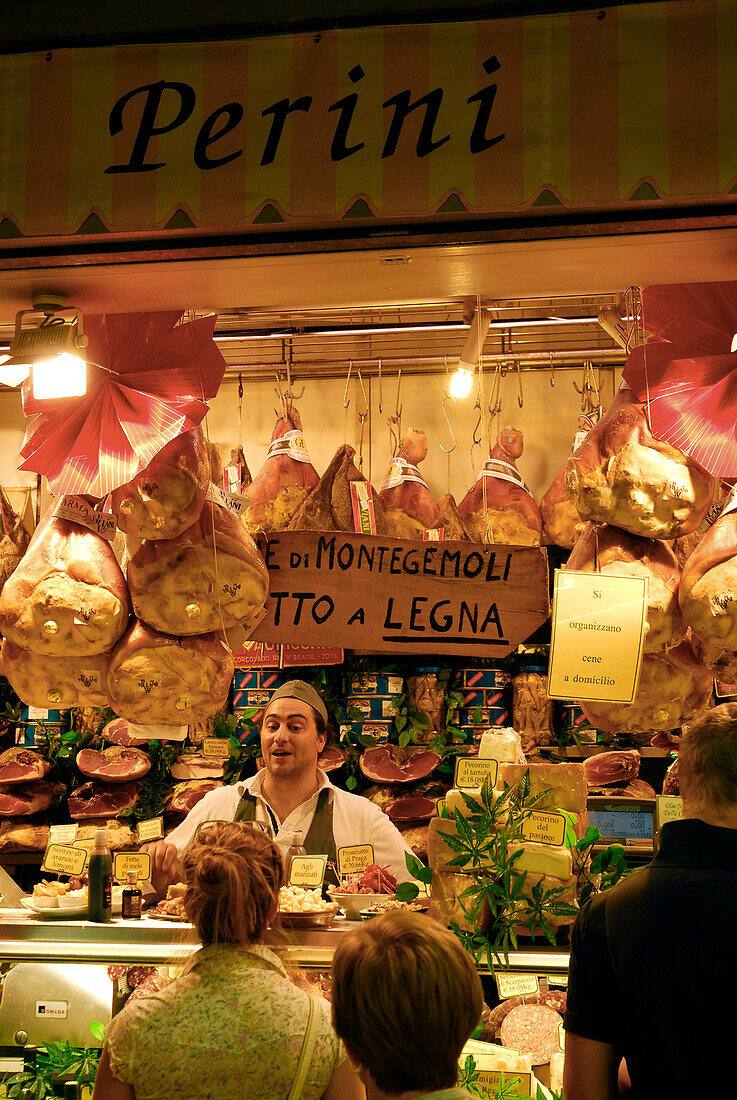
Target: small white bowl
{"x": 44, "y": 901}
{"x": 72, "y": 900}
{"x": 352, "y": 904}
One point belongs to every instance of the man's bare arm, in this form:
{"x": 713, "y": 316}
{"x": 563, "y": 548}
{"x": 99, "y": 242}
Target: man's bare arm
{"x": 590, "y": 1071}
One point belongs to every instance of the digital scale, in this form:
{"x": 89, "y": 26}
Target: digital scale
{"x": 630, "y": 822}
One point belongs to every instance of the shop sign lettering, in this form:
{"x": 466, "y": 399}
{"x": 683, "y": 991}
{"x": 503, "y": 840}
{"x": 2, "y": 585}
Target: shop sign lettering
{"x": 147, "y": 112}
{"x": 395, "y": 595}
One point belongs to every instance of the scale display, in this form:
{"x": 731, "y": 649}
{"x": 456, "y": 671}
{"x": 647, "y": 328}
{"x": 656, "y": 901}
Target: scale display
{"x": 623, "y": 825}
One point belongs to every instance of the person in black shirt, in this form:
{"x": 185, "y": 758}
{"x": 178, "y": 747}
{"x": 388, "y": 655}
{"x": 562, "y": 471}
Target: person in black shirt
{"x": 653, "y": 968}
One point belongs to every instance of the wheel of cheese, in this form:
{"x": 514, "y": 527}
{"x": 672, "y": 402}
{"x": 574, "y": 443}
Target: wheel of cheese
{"x": 158, "y": 679}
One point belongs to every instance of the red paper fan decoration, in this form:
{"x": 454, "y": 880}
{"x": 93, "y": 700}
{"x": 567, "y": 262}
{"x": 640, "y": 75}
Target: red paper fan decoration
{"x": 689, "y": 375}
{"x": 159, "y": 375}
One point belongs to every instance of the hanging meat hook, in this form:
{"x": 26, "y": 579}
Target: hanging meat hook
{"x": 362, "y": 415}
{"x": 346, "y": 398}
{"x": 520, "y": 395}
{"x": 449, "y": 450}
{"x": 551, "y": 379}
{"x": 381, "y": 391}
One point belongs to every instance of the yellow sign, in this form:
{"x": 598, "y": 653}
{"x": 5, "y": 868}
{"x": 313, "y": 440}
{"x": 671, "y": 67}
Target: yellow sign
{"x": 153, "y": 829}
{"x": 354, "y": 859}
{"x": 64, "y": 860}
{"x": 597, "y": 636}
{"x": 516, "y": 985}
{"x": 216, "y": 746}
{"x": 544, "y": 827}
{"x": 440, "y": 806}
{"x": 472, "y": 772}
{"x": 669, "y": 807}
{"x": 85, "y": 846}
{"x": 516, "y": 1083}
{"x": 307, "y": 871}
{"x": 125, "y": 862}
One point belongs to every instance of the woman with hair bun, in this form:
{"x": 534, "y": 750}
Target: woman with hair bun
{"x": 233, "y": 1025}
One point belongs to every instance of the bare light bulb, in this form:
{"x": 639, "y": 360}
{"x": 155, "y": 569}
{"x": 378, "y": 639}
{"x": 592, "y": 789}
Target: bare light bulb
{"x": 460, "y": 383}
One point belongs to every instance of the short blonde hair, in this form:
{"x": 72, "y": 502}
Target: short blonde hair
{"x": 406, "y": 997}
{"x": 707, "y": 760}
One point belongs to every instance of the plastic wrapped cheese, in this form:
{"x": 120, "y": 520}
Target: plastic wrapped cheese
{"x": 622, "y": 475}
{"x": 68, "y": 596}
{"x": 55, "y": 683}
{"x": 619, "y": 553}
{"x": 167, "y": 497}
{"x": 185, "y": 585}
{"x": 162, "y": 680}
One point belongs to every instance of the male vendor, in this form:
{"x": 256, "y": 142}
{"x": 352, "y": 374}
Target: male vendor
{"x": 290, "y": 793}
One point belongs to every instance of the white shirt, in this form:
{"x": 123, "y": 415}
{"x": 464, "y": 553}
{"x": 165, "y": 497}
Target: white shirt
{"x": 356, "y": 820}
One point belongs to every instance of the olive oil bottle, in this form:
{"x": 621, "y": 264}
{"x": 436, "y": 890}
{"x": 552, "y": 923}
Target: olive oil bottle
{"x": 100, "y": 880}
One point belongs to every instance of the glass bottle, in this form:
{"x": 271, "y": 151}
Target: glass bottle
{"x": 296, "y": 848}
{"x": 100, "y": 880}
{"x": 132, "y": 898}
{"x": 71, "y": 1090}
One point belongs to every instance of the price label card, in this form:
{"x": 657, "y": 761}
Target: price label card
{"x": 307, "y": 871}
{"x": 62, "y": 859}
{"x": 516, "y": 985}
{"x": 354, "y": 859}
{"x": 125, "y": 862}
{"x": 153, "y": 829}
{"x": 669, "y": 807}
{"x": 216, "y": 746}
{"x": 63, "y": 834}
{"x": 440, "y": 809}
{"x": 515, "y": 1082}
{"x": 544, "y": 827}
{"x": 597, "y": 636}
{"x": 37, "y": 714}
{"x": 561, "y": 1037}
{"x": 472, "y": 772}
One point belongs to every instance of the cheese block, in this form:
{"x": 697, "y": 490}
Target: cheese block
{"x": 503, "y": 744}
{"x": 444, "y": 904}
{"x": 543, "y": 859}
{"x": 549, "y": 882}
{"x": 454, "y": 800}
{"x": 564, "y": 785}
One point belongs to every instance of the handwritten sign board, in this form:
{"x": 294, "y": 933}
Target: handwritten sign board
{"x": 61, "y": 859}
{"x": 63, "y": 834}
{"x": 515, "y": 1082}
{"x": 307, "y": 871}
{"x": 669, "y": 807}
{"x": 401, "y": 596}
{"x": 597, "y": 636}
{"x": 354, "y": 859}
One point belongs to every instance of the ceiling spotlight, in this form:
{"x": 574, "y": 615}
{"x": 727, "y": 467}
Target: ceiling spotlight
{"x": 52, "y": 352}
{"x": 461, "y": 383}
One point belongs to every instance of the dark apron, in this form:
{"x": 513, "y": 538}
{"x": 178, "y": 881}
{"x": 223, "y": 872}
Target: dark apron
{"x": 319, "y": 840}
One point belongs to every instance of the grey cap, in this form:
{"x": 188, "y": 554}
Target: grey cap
{"x": 298, "y": 689}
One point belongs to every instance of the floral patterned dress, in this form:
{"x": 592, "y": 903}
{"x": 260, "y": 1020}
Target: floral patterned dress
{"x": 230, "y": 1028}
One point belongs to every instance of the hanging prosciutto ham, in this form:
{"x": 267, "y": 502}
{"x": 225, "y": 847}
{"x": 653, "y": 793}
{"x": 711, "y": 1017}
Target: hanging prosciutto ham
{"x": 621, "y": 474}
{"x": 500, "y": 508}
{"x": 185, "y": 585}
{"x": 561, "y": 522}
{"x": 620, "y": 554}
{"x": 331, "y": 505}
{"x": 161, "y": 680}
{"x": 68, "y": 596}
{"x": 674, "y": 688}
{"x": 285, "y": 480}
{"x": 167, "y": 497}
{"x": 409, "y": 506}
{"x": 14, "y": 538}
{"x": 56, "y": 683}
{"x": 709, "y": 587}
